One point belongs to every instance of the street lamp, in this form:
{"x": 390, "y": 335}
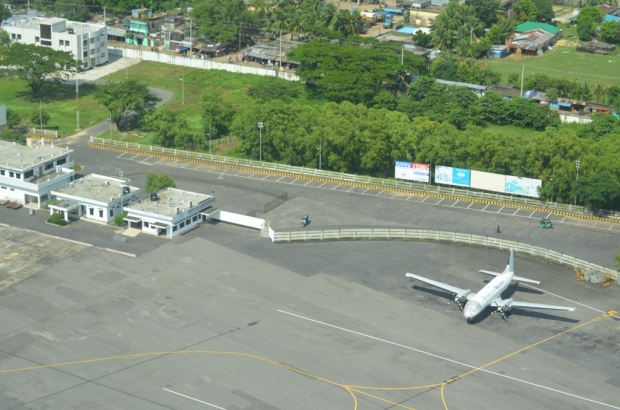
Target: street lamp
{"x": 260, "y": 147}
{"x": 320, "y": 153}
{"x": 40, "y": 115}
{"x": 552, "y": 187}
{"x": 182, "y": 79}
{"x": 210, "y": 137}
{"x": 577, "y": 165}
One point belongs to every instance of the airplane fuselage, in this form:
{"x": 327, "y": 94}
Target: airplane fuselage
{"x": 487, "y": 295}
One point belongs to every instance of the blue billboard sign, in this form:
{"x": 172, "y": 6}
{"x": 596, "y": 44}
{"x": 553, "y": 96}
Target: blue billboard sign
{"x": 452, "y": 176}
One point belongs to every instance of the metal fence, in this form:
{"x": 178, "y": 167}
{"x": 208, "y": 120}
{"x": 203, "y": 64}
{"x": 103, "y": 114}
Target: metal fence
{"x": 420, "y": 187}
{"x": 439, "y": 236}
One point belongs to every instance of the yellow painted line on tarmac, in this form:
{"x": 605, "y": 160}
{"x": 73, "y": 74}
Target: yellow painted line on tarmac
{"x": 352, "y": 183}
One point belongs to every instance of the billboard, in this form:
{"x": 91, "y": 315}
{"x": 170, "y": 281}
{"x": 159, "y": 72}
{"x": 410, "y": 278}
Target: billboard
{"x": 488, "y": 181}
{"x": 412, "y": 171}
{"x": 522, "y": 186}
{"x": 452, "y": 176}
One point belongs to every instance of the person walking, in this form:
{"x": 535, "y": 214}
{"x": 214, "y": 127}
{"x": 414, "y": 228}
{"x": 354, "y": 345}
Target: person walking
{"x": 498, "y": 231}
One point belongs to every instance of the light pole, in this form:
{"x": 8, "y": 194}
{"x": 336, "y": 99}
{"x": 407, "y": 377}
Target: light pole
{"x": 182, "y": 79}
{"x": 577, "y": 165}
{"x": 260, "y": 147}
{"x": 210, "y": 137}
{"x": 40, "y": 115}
{"x": 320, "y": 149}
{"x": 552, "y": 188}
{"x": 77, "y": 95}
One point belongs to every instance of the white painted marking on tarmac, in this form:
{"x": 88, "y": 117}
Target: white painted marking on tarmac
{"x": 593, "y": 226}
{"x": 278, "y": 180}
{"x": 532, "y": 214}
{"x": 307, "y": 182}
{"x": 566, "y": 299}
{"x": 296, "y": 179}
{"x": 548, "y": 215}
{"x": 470, "y": 205}
{"x": 425, "y": 198}
{"x": 449, "y": 360}
{"x": 322, "y": 184}
{"x": 452, "y": 206}
{"x": 440, "y": 201}
{"x": 335, "y": 187}
{"x": 518, "y": 211}
{"x": 137, "y": 155}
{"x": 563, "y": 219}
{"x": 349, "y": 190}
{"x": 500, "y": 210}
{"x": 485, "y": 207}
{"x": 191, "y": 398}
{"x": 266, "y": 176}
{"x": 380, "y": 192}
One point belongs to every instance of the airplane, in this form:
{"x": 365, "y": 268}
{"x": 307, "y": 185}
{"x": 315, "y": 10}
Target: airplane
{"x": 472, "y": 304}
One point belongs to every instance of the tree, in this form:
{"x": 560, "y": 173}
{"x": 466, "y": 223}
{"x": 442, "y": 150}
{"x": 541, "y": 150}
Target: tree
{"x": 600, "y": 191}
{"x": 156, "y": 182}
{"x": 586, "y": 29}
{"x": 545, "y": 11}
{"x": 36, "y": 65}
{"x": 217, "y": 116}
{"x": 77, "y": 10}
{"x": 599, "y": 90}
{"x": 610, "y": 30}
{"x": 123, "y": 98}
{"x": 486, "y": 10}
{"x": 422, "y": 39}
{"x": 37, "y": 117}
{"x": 271, "y": 88}
{"x": 5, "y": 13}
{"x": 170, "y": 127}
{"x": 12, "y": 118}
{"x": 526, "y": 10}
{"x": 501, "y": 31}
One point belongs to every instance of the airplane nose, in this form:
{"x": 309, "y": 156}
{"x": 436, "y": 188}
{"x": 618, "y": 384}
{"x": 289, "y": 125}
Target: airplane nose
{"x": 472, "y": 308}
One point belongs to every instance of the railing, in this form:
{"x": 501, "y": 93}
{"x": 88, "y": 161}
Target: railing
{"x": 439, "y": 236}
{"x": 420, "y": 187}
{"x": 49, "y": 134}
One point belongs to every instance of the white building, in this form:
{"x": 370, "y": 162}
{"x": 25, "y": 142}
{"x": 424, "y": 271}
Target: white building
{"x": 86, "y": 41}
{"x": 168, "y": 213}
{"x": 95, "y": 197}
{"x": 29, "y": 174}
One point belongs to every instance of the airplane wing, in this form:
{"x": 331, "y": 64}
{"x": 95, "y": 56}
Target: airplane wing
{"x": 512, "y": 303}
{"x": 453, "y": 289}
{"x": 515, "y": 278}
{"x": 540, "y": 306}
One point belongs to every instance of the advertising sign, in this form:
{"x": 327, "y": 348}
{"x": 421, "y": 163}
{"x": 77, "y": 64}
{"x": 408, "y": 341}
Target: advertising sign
{"x": 452, "y": 176}
{"x": 488, "y": 181}
{"x": 522, "y": 186}
{"x": 412, "y": 171}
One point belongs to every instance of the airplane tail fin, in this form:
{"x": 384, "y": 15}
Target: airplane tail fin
{"x": 511, "y": 262}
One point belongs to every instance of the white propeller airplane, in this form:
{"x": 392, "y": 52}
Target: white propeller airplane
{"x": 472, "y": 304}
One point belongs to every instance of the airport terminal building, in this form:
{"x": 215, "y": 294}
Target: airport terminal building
{"x": 169, "y": 212}
{"x": 30, "y": 174}
{"x": 95, "y": 197}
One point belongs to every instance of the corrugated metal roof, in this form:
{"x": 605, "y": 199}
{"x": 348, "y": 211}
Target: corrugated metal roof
{"x": 532, "y": 25}
{"x": 456, "y": 83}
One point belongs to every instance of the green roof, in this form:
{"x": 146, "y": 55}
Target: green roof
{"x": 532, "y": 25}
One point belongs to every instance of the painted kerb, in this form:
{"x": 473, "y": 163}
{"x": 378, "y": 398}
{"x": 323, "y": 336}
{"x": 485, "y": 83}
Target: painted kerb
{"x": 392, "y": 185}
{"x": 440, "y": 236}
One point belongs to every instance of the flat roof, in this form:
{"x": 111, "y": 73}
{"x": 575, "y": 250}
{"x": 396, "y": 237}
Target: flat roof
{"x": 35, "y": 22}
{"x": 20, "y": 157}
{"x": 168, "y": 200}
{"x": 98, "y": 188}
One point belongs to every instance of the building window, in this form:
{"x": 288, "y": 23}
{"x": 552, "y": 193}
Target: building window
{"x": 47, "y": 43}
{"x": 61, "y": 42}
{"x": 11, "y": 174}
{"x": 28, "y": 174}
{"x": 174, "y": 228}
{"x": 91, "y": 211}
{"x": 85, "y": 54}
{"x": 85, "y": 43}
{"x": 182, "y": 224}
{"x": 36, "y": 39}
{"x": 195, "y": 218}
{"x": 101, "y": 213}
{"x": 19, "y": 36}
{"x": 12, "y": 36}
{"x": 66, "y": 43}
{"x": 146, "y": 224}
{"x": 189, "y": 221}
{"x": 1, "y": 172}
{"x": 18, "y": 175}
{"x": 60, "y": 161}
{"x": 49, "y": 166}
{"x": 111, "y": 213}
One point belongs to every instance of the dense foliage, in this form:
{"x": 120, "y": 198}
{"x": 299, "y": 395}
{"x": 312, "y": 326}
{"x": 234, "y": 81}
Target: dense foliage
{"x": 125, "y": 98}
{"x": 156, "y": 182}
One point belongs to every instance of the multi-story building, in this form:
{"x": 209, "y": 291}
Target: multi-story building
{"x": 29, "y": 174}
{"x": 86, "y": 41}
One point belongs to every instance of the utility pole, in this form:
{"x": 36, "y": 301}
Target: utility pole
{"x": 77, "y": 95}
{"x": 402, "y": 56}
{"x": 260, "y": 147}
{"x": 522, "y": 75}
{"x": 40, "y": 115}
{"x": 577, "y": 165}
{"x": 210, "y": 121}
{"x": 183, "y": 87}
{"x": 320, "y": 148}
{"x": 191, "y": 43}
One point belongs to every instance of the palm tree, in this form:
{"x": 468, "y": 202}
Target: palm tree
{"x": 350, "y": 23}
{"x": 599, "y": 90}
{"x": 295, "y": 25}
{"x": 278, "y": 20}
{"x": 329, "y": 15}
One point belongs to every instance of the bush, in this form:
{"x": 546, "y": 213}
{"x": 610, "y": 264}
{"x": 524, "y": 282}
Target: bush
{"x": 63, "y": 223}
{"x": 55, "y": 219}
{"x": 77, "y": 167}
{"x": 118, "y": 221}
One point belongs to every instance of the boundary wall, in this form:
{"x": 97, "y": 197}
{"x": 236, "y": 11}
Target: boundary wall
{"x": 441, "y": 237}
{"x": 393, "y": 185}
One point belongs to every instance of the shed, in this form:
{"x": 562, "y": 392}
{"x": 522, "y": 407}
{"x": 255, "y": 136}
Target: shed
{"x": 498, "y": 51}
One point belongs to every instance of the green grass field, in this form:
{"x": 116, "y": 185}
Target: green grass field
{"x": 563, "y": 62}
{"x": 57, "y": 100}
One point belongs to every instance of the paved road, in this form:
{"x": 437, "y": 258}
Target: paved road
{"x": 332, "y": 206}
